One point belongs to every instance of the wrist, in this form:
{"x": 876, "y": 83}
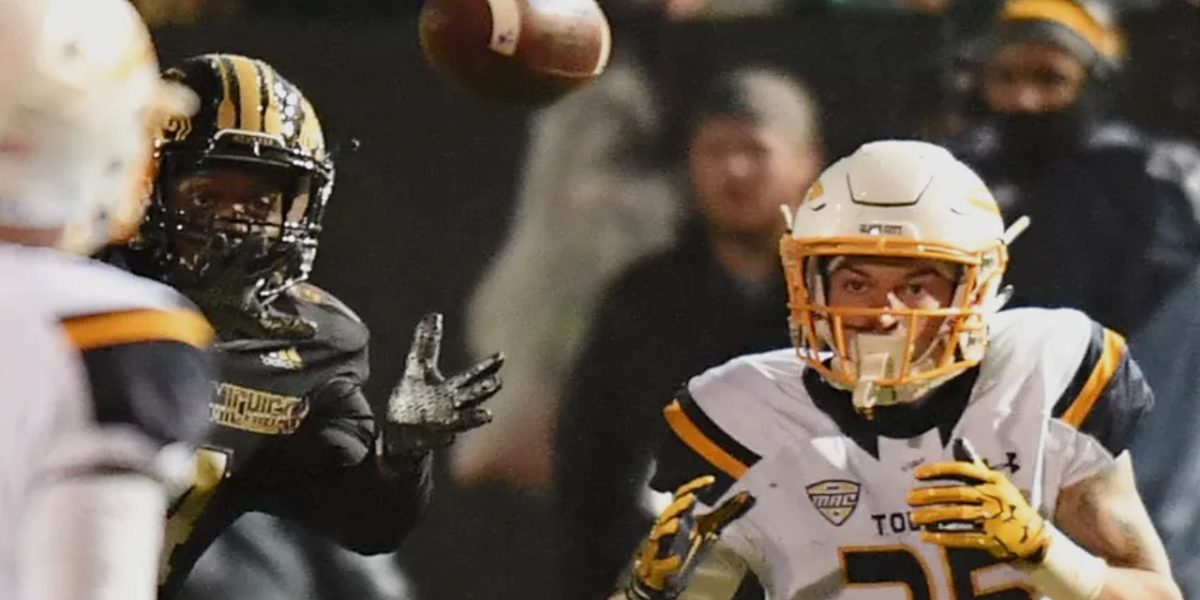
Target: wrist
{"x": 401, "y": 458}
{"x": 1067, "y": 571}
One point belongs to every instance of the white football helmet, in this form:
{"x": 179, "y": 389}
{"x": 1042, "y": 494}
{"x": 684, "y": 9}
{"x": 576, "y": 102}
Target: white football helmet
{"x": 80, "y": 103}
{"x": 895, "y": 199}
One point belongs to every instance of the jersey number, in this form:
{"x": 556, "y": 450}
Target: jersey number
{"x": 211, "y": 466}
{"x": 901, "y": 565}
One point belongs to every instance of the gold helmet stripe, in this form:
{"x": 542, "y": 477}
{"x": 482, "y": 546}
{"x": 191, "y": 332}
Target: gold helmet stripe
{"x": 249, "y": 86}
{"x": 226, "y": 111}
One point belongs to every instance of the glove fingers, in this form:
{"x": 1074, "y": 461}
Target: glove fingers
{"x": 695, "y": 485}
{"x": 477, "y": 393}
{"x": 480, "y": 370}
{"x": 426, "y": 346}
{"x": 956, "y": 512}
{"x": 470, "y": 419}
{"x": 729, "y": 511}
{"x": 664, "y": 529}
{"x": 958, "y": 494}
{"x": 955, "y": 470}
{"x": 680, "y": 505}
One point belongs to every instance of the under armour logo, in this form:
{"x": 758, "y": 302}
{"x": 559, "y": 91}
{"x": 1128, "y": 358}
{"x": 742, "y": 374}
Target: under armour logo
{"x": 1010, "y": 463}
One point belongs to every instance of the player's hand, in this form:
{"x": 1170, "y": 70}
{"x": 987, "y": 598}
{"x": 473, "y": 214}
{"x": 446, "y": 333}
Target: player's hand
{"x": 984, "y": 511}
{"x": 227, "y": 290}
{"x": 678, "y": 542}
{"x": 426, "y": 410}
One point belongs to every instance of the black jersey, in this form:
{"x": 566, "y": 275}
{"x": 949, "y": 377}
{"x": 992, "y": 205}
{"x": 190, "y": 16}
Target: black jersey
{"x": 293, "y": 436}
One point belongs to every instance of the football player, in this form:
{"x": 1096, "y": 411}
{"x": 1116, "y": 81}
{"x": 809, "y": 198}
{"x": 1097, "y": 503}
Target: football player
{"x": 851, "y": 444}
{"x": 90, "y": 419}
{"x": 233, "y": 222}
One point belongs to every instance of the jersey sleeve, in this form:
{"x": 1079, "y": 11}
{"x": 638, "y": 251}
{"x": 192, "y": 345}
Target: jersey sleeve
{"x": 149, "y": 371}
{"x": 697, "y": 446}
{"x": 342, "y": 490}
{"x": 1107, "y": 396}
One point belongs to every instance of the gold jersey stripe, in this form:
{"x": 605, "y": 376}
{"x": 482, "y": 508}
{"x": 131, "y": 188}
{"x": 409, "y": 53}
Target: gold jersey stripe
{"x": 701, "y": 444}
{"x": 139, "y": 326}
{"x": 1106, "y": 367}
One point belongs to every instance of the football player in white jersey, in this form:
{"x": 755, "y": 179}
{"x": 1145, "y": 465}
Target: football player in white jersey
{"x": 89, "y": 427}
{"x": 839, "y": 466}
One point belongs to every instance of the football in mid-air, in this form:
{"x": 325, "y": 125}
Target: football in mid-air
{"x": 526, "y": 52}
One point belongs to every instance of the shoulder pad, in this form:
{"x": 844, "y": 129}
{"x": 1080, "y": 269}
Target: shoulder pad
{"x": 307, "y": 293}
{"x": 74, "y": 286}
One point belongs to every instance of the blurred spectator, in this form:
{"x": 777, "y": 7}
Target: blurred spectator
{"x": 1114, "y": 210}
{"x": 266, "y": 558}
{"x": 753, "y": 146}
{"x": 1167, "y": 455}
{"x": 1114, "y": 230}
{"x": 594, "y": 196}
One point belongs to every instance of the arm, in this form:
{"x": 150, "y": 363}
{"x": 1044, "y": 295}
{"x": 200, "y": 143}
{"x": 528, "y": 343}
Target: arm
{"x": 1104, "y": 514}
{"x": 381, "y": 486}
{"x": 372, "y": 503}
{"x": 93, "y": 535}
{"x": 1106, "y": 550}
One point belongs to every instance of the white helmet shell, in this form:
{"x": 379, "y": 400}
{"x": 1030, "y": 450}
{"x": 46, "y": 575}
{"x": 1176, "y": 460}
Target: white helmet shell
{"x": 80, "y": 101}
{"x": 896, "y": 199}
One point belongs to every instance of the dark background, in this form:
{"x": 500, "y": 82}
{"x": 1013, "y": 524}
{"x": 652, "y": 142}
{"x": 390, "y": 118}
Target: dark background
{"x": 420, "y": 208}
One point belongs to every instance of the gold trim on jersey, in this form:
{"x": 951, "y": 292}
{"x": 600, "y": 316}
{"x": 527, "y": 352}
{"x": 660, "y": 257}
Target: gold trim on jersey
{"x": 139, "y": 326}
{"x": 256, "y": 411}
{"x": 210, "y": 469}
{"x": 1106, "y": 367}
{"x": 691, "y": 435}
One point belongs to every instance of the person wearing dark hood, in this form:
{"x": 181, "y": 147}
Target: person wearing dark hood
{"x": 1114, "y": 220}
{"x": 752, "y": 145}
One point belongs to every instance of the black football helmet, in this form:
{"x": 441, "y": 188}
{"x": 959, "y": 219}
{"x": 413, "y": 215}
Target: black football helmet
{"x": 252, "y": 121}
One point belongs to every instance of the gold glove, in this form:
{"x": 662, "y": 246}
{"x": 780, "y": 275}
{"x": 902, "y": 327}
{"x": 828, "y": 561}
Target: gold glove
{"x": 678, "y": 541}
{"x": 984, "y": 511}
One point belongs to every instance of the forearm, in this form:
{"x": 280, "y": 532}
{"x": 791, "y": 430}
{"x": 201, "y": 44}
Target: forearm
{"x": 1136, "y": 584}
{"x": 1068, "y": 571}
{"x": 369, "y": 508}
{"x": 95, "y": 537}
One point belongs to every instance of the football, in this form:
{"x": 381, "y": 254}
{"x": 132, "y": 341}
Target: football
{"x": 526, "y": 52}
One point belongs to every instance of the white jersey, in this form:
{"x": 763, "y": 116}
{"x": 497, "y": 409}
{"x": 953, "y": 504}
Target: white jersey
{"x": 100, "y": 371}
{"x": 42, "y": 413}
{"x": 1052, "y": 403}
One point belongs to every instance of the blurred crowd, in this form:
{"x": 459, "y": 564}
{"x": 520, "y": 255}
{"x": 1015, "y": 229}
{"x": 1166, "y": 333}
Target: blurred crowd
{"x": 642, "y": 248}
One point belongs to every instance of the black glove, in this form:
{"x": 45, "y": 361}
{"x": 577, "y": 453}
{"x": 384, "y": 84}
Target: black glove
{"x": 426, "y": 410}
{"x": 227, "y": 289}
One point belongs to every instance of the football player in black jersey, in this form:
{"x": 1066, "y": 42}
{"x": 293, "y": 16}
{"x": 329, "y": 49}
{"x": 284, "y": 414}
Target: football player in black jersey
{"x": 233, "y": 223}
